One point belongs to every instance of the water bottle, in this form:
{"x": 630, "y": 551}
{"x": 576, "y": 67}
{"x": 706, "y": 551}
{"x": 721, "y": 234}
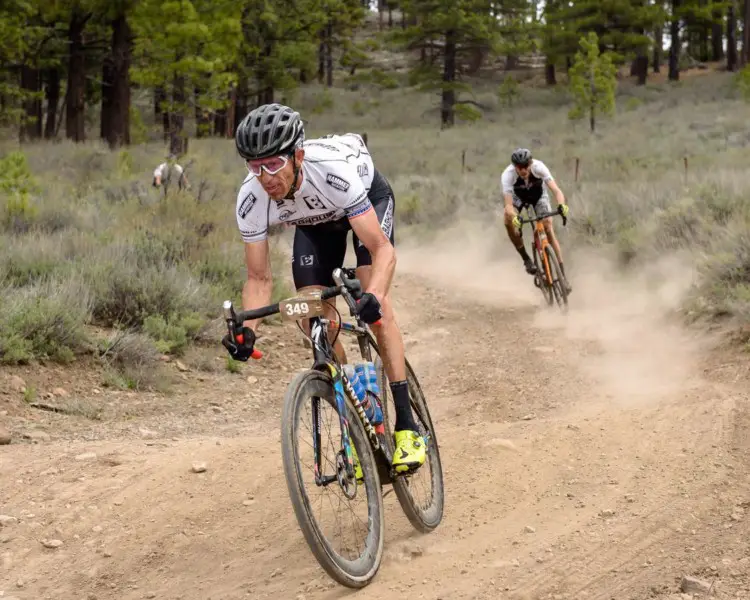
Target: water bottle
{"x": 356, "y": 382}
{"x": 364, "y": 397}
{"x": 369, "y": 377}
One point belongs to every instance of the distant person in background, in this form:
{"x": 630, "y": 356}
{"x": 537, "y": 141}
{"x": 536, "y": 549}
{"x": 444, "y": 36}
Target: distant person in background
{"x": 165, "y": 171}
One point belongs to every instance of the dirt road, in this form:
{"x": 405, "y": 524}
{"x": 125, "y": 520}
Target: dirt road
{"x": 599, "y": 455}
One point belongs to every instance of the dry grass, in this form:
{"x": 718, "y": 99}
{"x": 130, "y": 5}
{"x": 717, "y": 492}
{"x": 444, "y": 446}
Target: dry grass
{"x": 99, "y": 246}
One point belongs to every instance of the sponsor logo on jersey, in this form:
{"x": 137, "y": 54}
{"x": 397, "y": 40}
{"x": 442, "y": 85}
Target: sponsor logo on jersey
{"x": 362, "y": 170}
{"x": 316, "y": 218}
{"x": 284, "y": 215}
{"x": 326, "y": 146}
{"x": 337, "y": 182}
{"x": 307, "y": 260}
{"x": 387, "y": 224}
{"x": 247, "y": 205}
{"x": 359, "y": 209}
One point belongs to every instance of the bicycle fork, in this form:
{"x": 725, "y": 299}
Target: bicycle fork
{"x": 541, "y": 239}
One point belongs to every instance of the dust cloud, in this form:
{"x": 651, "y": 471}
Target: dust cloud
{"x": 621, "y": 332}
{"x": 471, "y": 258}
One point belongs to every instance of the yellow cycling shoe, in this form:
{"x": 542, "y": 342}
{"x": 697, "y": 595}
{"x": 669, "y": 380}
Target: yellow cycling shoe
{"x": 409, "y": 454}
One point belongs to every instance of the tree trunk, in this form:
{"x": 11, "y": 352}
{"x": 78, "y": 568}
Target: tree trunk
{"x": 119, "y": 131}
{"x": 159, "y": 97}
{"x": 592, "y": 118}
{"x": 511, "y": 62}
{"x": 390, "y": 16}
{"x": 240, "y": 104}
{"x": 640, "y": 65}
{"x": 658, "y": 42}
{"x": 381, "y": 14}
{"x": 220, "y": 122}
{"x": 52, "y": 93}
{"x": 674, "y": 48}
{"x": 266, "y": 93}
{"x": 704, "y": 36}
{"x": 105, "y": 118}
{"x": 202, "y": 122}
{"x": 447, "y": 109}
{"x": 177, "y": 142}
{"x": 746, "y": 34}
{"x": 717, "y": 37}
{"x": 31, "y": 82}
{"x": 329, "y": 54}
{"x": 731, "y": 37}
{"x": 75, "y": 110}
{"x": 231, "y": 120}
{"x": 322, "y": 56}
{"x": 549, "y": 72}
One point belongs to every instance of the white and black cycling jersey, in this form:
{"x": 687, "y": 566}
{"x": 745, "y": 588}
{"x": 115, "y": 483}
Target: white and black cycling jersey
{"x": 531, "y": 191}
{"x": 337, "y": 173}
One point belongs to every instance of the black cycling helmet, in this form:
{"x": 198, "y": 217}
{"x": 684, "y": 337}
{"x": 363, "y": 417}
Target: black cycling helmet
{"x": 521, "y": 157}
{"x": 269, "y": 130}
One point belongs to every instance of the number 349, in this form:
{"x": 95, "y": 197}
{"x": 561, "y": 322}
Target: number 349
{"x": 296, "y": 309}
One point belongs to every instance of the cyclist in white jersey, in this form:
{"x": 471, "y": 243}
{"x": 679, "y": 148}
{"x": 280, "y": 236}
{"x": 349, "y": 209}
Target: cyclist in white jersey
{"x": 525, "y": 181}
{"x": 324, "y": 187}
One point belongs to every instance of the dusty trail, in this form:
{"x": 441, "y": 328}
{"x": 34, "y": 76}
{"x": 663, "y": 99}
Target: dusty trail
{"x": 599, "y": 455}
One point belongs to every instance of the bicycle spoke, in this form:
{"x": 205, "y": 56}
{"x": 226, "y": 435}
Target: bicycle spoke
{"x": 336, "y": 514}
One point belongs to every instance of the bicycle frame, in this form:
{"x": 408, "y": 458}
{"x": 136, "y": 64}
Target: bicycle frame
{"x": 325, "y": 360}
{"x": 541, "y": 242}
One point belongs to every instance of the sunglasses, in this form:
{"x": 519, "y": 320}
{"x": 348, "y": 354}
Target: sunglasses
{"x": 271, "y": 165}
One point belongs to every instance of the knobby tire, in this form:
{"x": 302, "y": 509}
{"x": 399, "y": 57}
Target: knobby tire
{"x": 426, "y": 519}
{"x": 350, "y": 573}
{"x": 561, "y": 292}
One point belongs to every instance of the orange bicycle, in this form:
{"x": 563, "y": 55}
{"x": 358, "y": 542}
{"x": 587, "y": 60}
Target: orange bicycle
{"x": 549, "y": 277}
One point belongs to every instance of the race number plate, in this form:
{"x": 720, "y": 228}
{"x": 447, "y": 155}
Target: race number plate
{"x": 302, "y": 306}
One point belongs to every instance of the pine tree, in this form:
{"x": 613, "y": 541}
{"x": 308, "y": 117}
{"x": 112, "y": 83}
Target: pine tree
{"x": 181, "y": 45}
{"x": 592, "y": 81}
{"x": 451, "y": 29}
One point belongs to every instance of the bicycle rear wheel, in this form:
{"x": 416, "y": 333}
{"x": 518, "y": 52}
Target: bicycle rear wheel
{"x": 421, "y": 495}
{"x": 359, "y": 570}
{"x": 558, "y": 279}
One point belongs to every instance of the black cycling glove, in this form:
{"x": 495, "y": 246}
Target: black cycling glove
{"x": 368, "y": 309}
{"x": 237, "y": 350}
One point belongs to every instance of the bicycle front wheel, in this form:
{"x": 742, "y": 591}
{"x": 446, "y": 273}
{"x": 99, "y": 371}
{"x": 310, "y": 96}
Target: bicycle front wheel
{"x": 541, "y": 277}
{"x": 558, "y": 280}
{"x": 348, "y": 560}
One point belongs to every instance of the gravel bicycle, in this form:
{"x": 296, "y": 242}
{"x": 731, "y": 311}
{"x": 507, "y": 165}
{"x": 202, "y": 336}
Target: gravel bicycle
{"x": 331, "y": 465}
{"x": 549, "y": 277}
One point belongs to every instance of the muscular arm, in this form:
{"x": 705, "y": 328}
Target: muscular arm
{"x": 257, "y": 289}
{"x": 552, "y": 184}
{"x": 367, "y": 228}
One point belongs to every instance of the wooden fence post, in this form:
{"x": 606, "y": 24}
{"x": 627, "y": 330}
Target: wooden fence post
{"x": 578, "y": 160}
